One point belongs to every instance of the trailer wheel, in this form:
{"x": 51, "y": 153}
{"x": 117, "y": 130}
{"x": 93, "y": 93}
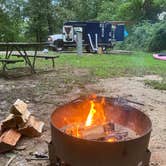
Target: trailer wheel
{"x": 88, "y": 49}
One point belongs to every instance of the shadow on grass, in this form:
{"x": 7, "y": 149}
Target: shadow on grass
{"x": 21, "y": 72}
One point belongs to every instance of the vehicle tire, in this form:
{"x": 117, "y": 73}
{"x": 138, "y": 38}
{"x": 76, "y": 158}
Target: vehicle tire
{"x": 88, "y": 49}
{"x": 58, "y": 45}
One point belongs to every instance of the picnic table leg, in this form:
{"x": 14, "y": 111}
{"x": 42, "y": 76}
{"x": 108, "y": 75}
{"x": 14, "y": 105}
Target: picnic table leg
{"x": 22, "y": 55}
{"x": 34, "y": 58}
{"x": 7, "y": 56}
{"x": 53, "y": 63}
{"x": 26, "y": 58}
{"x": 7, "y": 50}
{"x": 28, "y": 61}
{"x": 3, "y": 67}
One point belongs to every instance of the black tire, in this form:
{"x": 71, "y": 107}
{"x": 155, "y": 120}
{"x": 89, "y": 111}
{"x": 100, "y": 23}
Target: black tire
{"x": 88, "y": 49}
{"x": 58, "y": 45}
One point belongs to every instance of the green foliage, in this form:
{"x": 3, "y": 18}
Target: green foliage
{"x": 158, "y": 41}
{"x": 38, "y": 13}
{"x": 22, "y": 20}
{"x": 146, "y": 36}
{"x": 6, "y": 33}
{"x": 10, "y": 20}
{"x": 76, "y": 10}
{"x": 129, "y": 10}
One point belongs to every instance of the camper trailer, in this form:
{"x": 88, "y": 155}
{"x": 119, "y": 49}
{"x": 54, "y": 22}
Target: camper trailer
{"x": 94, "y": 35}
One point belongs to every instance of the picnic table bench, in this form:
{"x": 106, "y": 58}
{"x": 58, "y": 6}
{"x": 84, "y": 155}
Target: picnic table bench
{"x": 22, "y": 49}
{"x": 8, "y": 61}
{"x": 42, "y": 57}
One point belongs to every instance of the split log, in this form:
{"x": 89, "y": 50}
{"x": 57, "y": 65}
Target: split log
{"x": 90, "y": 133}
{"x": 8, "y": 140}
{"x": 9, "y": 123}
{"x": 20, "y": 108}
{"x": 14, "y": 121}
{"x": 0, "y": 129}
{"x": 33, "y": 128}
{"x": 22, "y": 119}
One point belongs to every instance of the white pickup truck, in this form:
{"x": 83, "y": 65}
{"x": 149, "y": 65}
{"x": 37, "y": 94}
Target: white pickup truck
{"x": 56, "y": 41}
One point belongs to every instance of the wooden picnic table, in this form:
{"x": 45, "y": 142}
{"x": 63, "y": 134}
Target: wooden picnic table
{"x": 22, "y": 49}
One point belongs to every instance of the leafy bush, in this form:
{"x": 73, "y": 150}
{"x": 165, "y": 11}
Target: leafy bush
{"x": 158, "y": 41}
{"x": 144, "y": 36}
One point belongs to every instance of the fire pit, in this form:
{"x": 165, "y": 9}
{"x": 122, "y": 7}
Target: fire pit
{"x": 98, "y": 131}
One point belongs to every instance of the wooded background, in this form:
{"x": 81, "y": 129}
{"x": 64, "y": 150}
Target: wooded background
{"x": 34, "y": 20}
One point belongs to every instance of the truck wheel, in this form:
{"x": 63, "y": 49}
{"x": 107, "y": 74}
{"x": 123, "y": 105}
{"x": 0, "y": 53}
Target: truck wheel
{"x": 58, "y": 45}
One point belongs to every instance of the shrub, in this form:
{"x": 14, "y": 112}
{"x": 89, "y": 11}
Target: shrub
{"x": 158, "y": 41}
{"x": 143, "y": 37}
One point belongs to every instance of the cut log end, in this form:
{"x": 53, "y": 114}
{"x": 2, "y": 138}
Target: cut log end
{"x": 19, "y": 108}
{"x": 8, "y": 140}
{"x": 33, "y": 128}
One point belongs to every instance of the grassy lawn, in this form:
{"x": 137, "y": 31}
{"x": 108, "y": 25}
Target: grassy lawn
{"x": 104, "y": 66}
{"x": 116, "y": 65}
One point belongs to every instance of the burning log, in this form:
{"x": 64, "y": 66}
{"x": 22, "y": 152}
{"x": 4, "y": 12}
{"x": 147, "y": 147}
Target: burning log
{"x": 90, "y": 132}
{"x": 97, "y": 132}
{"x": 109, "y": 132}
{"x": 117, "y": 136}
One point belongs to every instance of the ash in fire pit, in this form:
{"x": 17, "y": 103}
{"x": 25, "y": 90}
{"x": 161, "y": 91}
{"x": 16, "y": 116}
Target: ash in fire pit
{"x": 98, "y": 131}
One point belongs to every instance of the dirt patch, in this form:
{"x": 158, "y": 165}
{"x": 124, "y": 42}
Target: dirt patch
{"x": 154, "y": 106}
{"x": 45, "y": 91}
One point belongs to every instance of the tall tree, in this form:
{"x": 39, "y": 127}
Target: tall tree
{"x": 76, "y": 10}
{"x": 11, "y": 19}
{"x": 39, "y": 18}
{"x": 133, "y": 10}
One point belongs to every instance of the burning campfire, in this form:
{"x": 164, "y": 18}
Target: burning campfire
{"x": 96, "y": 126}
{"x": 98, "y": 131}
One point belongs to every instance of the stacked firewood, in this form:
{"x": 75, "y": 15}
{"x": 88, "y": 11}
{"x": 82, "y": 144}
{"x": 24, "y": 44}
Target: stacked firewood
{"x": 18, "y": 123}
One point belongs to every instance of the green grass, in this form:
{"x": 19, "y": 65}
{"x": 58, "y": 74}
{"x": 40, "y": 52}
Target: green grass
{"x": 103, "y": 66}
{"x": 161, "y": 85}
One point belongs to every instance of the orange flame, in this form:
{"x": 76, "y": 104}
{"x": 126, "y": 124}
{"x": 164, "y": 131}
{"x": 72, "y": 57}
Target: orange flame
{"x": 92, "y": 111}
{"x": 96, "y": 114}
{"x": 113, "y": 139}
